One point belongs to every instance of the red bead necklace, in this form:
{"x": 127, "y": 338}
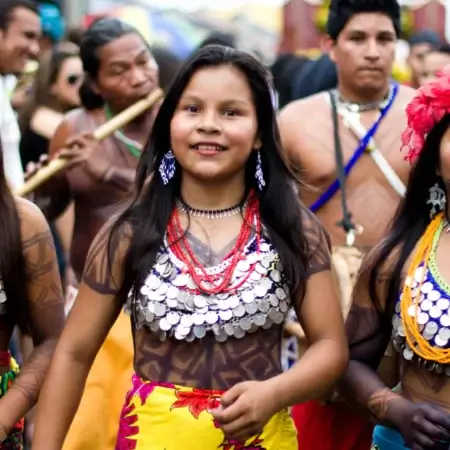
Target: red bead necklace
{"x": 215, "y": 283}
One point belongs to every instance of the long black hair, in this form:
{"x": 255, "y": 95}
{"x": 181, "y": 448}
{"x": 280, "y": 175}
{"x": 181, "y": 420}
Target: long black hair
{"x": 12, "y": 261}
{"x": 280, "y": 209}
{"x": 410, "y": 221}
{"x": 100, "y": 33}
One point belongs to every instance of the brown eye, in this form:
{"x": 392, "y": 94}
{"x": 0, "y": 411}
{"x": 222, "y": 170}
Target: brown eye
{"x": 231, "y": 112}
{"x": 191, "y": 109}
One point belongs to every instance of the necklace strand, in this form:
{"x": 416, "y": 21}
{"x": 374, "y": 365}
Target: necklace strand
{"x": 127, "y": 140}
{"x": 214, "y": 284}
{"x": 421, "y": 258}
{"x": 134, "y": 147}
{"x": 211, "y": 214}
{"x": 357, "y": 107}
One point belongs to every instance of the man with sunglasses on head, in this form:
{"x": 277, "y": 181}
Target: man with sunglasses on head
{"x": 20, "y": 30}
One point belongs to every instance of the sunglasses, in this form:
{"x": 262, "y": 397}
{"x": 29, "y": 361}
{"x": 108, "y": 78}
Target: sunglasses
{"x": 73, "y": 79}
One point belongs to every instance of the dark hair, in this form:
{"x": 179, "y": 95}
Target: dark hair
{"x": 168, "y": 66}
{"x": 75, "y": 35}
{"x": 285, "y": 71}
{"x": 444, "y": 49}
{"x": 410, "y": 221}
{"x": 7, "y": 7}
{"x": 50, "y": 64}
{"x": 149, "y": 212}
{"x": 12, "y": 261}
{"x": 100, "y": 33}
{"x": 219, "y": 38}
{"x": 429, "y": 37}
{"x": 341, "y": 11}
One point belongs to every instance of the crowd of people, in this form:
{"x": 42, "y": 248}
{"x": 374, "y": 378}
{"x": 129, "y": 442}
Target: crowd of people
{"x": 256, "y": 261}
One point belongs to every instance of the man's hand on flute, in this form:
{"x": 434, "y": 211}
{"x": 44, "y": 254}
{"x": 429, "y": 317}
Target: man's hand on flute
{"x": 82, "y": 150}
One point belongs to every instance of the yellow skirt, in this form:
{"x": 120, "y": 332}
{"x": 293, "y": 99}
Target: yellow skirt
{"x": 163, "y": 416}
{"x": 95, "y": 424}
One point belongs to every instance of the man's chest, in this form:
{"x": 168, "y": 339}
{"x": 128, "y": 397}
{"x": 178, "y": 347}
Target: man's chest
{"x": 319, "y": 168}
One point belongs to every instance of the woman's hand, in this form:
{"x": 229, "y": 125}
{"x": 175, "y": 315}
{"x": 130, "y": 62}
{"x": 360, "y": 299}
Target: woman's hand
{"x": 83, "y": 150}
{"x": 245, "y": 409}
{"x": 423, "y": 425}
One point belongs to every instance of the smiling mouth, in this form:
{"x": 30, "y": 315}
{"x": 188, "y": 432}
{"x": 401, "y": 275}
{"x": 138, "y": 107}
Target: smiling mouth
{"x": 208, "y": 147}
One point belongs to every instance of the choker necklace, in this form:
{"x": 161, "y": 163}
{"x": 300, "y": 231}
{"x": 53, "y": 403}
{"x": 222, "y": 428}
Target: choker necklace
{"x": 356, "y": 107}
{"x": 211, "y": 213}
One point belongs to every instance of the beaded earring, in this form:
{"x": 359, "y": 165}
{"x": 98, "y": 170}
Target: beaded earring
{"x": 167, "y": 167}
{"x": 259, "y": 173}
{"x": 437, "y": 199}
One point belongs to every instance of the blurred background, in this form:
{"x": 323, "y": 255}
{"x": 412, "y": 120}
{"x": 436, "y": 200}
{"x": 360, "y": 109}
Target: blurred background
{"x": 265, "y": 27}
{"x": 286, "y": 35}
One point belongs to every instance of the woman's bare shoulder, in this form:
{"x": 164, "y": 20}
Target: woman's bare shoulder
{"x": 32, "y": 220}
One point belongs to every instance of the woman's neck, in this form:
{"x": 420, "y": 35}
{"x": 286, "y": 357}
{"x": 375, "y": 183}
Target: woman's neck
{"x": 210, "y": 196}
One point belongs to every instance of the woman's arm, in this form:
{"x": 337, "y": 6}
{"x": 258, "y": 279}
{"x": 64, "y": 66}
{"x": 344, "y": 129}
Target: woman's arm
{"x": 361, "y": 386}
{"x": 421, "y": 425}
{"x": 320, "y": 316}
{"x": 326, "y": 358}
{"x": 64, "y": 226}
{"x": 94, "y": 313}
{"x": 247, "y": 407}
{"x": 45, "y": 121}
{"x": 46, "y": 313}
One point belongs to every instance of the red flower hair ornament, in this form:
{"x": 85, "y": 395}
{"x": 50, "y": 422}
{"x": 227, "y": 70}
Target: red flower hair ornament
{"x": 428, "y": 107}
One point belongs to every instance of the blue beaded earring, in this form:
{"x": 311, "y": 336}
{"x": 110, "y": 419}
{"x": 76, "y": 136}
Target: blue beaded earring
{"x": 167, "y": 167}
{"x": 259, "y": 173}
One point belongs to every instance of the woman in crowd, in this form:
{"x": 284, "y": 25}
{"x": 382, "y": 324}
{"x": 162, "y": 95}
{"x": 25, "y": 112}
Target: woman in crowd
{"x": 403, "y": 291}
{"x": 53, "y": 93}
{"x": 208, "y": 259}
{"x": 30, "y": 298}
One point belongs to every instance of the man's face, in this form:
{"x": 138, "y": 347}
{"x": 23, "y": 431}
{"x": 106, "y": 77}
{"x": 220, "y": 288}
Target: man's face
{"x": 415, "y": 60}
{"x": 364, "y": 51}
{"x": 19, "y": 42}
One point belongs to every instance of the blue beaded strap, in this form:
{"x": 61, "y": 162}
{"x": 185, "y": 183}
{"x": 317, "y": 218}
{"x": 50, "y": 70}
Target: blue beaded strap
{"x": 363, "y": 143}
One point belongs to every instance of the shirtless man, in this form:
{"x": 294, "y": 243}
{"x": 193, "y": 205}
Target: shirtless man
{"x": 120, "y": 70}
{"x": 362, "y": 38}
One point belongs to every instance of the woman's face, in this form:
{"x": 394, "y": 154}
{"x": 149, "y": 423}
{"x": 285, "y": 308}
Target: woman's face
{"x": 214, "y": 128}
{"x": 444, "y": 170}
{"x": 68, "y": 82}
{"x": 128, "y": 72}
